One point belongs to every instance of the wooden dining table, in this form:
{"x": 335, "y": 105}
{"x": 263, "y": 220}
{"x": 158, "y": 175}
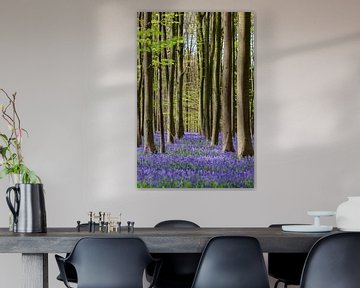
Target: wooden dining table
{"x": 35, "y": 247}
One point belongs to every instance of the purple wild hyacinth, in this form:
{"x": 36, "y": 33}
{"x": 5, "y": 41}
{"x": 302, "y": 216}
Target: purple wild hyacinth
{"x": 191, "y": 162}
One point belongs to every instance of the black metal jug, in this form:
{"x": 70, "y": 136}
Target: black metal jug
{"x": 28, "y": 208}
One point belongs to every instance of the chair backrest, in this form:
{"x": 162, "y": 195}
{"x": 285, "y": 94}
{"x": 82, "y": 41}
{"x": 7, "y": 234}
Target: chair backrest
{"x": 232, "y": 262}
{"x": 178, "y": 269}
{"x": 333, "y": 262}
{"x": 286, "y": 267}
{"x": 110, "y": 262}
{"x": 176, "y": 224}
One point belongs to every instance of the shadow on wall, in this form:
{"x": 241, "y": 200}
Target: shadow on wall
{"x": 307, "y": 103}
{"x": 301, "y": 49}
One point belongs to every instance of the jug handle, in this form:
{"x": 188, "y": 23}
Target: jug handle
{"x": 13, "y": 208}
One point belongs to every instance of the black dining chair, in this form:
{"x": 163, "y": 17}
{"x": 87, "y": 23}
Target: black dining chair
{"x": 178, "y": 269}
{"x": 333, "y": 262}
{"x": 70, "y": 271}
{"x": 108, "y": 263}
{"x": 232, "y": 262}
{"x": 286, "y": 267}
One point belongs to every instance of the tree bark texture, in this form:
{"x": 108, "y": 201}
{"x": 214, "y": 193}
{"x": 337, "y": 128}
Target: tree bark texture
{"x": 180, "y": 122}
{"x": 160, "y": 103}
{"x": 207, "y": 75}
{"x": 226, "y": 95}
{"x": 245, "y": 147}
{"x": 140, "y": 85}
{"x": 149, "y": 144}
{"x": 200, "y": 53}
{"x": 171, "y": 88}
{"x": 217, "y": 82}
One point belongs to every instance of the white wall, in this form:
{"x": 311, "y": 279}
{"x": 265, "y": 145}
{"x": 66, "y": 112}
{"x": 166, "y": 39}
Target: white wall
{"x": 73, "y": 66}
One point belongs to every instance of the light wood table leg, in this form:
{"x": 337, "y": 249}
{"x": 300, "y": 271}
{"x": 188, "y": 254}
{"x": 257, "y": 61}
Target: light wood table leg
{"x": 35, "y": 270}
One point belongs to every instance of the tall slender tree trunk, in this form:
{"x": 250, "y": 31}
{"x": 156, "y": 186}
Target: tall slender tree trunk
{"x": 201, "y": 70}
{"x": 208, "y": 76}
{"x": 138, "y": 130}
{"x": 181, "y": 72}
{"x": 187, "y": 118}
{"x": 149, "y": 144}
{"x": 139, "y": 100}
{"x": 252, "y": 102}
{"x": 166, "y": 66}
{"x": 216, "y": 81}
{"x": 171, "y": 88}
{"x": 187, "y": 80}
{"x": 140, "y": 84}
{"x": 155, "y": 110}
{"x": 160, "y": 103}
{"x": 211, "y": 68}
{"x": 233, "y": 78}
{"x": 226, "y": 95}
{"x": 164, "y": 53}
{"x": 245, "y": 147}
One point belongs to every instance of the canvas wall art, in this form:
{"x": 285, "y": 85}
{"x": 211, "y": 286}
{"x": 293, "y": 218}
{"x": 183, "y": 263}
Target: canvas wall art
{"x": 195, "y": 100}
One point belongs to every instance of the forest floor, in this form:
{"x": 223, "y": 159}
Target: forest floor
{"x": 192, "y": 162}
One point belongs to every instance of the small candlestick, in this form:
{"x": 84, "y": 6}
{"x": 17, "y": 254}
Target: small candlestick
{"x": 78, "y": 225}
{"x": 90, "y": 221}
{"x": 108, "y": 227}
{"x": 130, "y": 226}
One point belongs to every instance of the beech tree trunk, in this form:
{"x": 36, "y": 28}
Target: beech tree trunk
{"x": 140, "y": 84}
{"x": 208, "y": 76}
{"x": 228, "y": 145}
{"x": 160, "y": 103}
{"x": 233, "y": 78}
{"x": 149, "y": 144}
{"x": 201, "y": 70}
{"x": 180, "y": 122}
{"x": 171, "y": 87}
{"x": 216, "y": 81}
{"x": 138, "y": 106}
{"x": 245, "y": 147}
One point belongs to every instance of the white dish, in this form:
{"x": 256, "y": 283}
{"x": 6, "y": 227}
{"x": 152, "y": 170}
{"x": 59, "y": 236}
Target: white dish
{"x": 321, "y": 213}
{"x": 306, "y": 228}
{"x": 350, "y": 229}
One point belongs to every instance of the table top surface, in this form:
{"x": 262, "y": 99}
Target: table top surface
{"x": 158, "y": 240}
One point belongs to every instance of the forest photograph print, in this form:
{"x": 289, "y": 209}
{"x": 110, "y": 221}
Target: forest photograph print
{"x": 195, "y": 100}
